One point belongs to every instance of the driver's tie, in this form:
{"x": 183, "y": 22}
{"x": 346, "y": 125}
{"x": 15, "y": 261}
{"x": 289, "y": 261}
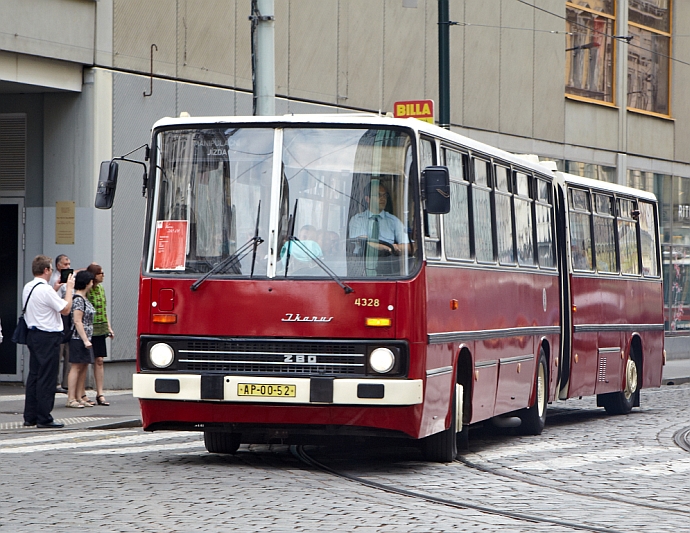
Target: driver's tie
{"x": 372, "y": 252}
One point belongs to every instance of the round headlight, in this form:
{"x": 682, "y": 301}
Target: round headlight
{"x": 382, "y": 360}
{"x": 161, "y": 355}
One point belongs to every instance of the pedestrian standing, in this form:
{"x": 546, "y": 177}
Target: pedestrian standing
{"x": 61, "y": 262}
{"x": 101, "y": 329}
{"x": 80, "y": 345}
{"x": 42, "y": 316}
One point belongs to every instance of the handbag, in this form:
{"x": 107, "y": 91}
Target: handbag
{"x": 67, "y": 326}
{"x": 21, "y": 332}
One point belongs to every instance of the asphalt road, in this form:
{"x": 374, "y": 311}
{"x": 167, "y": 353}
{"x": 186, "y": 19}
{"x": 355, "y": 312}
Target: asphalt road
{"x": 586, "y": 472}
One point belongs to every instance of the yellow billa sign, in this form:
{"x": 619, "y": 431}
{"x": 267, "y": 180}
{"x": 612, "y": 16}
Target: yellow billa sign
{"x": 420, "y": 109}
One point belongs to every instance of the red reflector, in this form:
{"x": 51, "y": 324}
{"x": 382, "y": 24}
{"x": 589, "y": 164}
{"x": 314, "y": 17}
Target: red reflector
{"x": 165, "y": 319}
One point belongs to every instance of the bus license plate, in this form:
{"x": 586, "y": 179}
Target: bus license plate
{"x": 266, "y": 391}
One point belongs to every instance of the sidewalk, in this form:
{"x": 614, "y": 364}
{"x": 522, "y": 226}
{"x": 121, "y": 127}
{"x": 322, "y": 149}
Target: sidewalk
{"x": 123, "y": 410}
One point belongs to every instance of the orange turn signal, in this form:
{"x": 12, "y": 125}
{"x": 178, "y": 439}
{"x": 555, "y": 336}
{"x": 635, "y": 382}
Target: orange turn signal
{"x": 378, "y": 322}
{"x": 453, "y": 304}
{"x": 165, "y": 319}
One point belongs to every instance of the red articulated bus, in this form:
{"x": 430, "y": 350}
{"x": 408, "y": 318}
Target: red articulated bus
{"x": 306, "y": 276}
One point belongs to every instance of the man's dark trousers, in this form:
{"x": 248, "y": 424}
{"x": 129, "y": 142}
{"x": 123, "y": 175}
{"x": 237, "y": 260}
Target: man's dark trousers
{"x": 44, "y": 350}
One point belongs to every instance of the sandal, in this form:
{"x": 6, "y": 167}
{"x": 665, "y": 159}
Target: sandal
{"x": 100, "y": 399}
{"x": 74, "y": 403}
{"x": 85, "y": 400}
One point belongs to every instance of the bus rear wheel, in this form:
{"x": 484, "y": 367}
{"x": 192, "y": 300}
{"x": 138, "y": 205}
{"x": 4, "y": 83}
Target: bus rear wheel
{"x": 221, "y": 442}
{"x": 621, "y": 403}
{"x": 533, "y": 419}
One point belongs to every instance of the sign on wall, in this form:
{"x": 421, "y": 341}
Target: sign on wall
{"x": 64, "y": 222}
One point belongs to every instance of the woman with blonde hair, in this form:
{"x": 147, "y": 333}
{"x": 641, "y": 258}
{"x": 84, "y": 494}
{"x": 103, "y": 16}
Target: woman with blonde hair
{"x": 101, "y": 329}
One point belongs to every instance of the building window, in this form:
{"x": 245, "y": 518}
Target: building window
{"x": 649, "y": 23}
{"x": 589, "y": 49}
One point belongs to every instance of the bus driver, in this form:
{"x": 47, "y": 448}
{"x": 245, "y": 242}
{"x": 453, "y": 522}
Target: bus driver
{"x": 384, "y": 229}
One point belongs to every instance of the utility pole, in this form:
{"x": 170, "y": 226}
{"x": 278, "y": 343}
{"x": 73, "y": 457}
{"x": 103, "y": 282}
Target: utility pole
{"x": 443, "y": 64}
{"x": 263, "y": 57}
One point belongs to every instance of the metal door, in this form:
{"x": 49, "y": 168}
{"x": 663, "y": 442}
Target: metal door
{"x": 11, "y": 284}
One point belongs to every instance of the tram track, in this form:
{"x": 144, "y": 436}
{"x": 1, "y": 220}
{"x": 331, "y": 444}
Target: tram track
{"x": 300, "y": 453}
{"x": 541, "y": 482}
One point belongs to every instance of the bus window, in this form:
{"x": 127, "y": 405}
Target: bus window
{"x": 432, "y": 241}
{"x": 648, "y": 246}
{"x": 456, "y": 224}
{"x": 627, "y": 238}
{"x": 481, "y": 204}
{"x": 504, "y": 217}
{"x": 604, "y": 235}
{"x": 348, "y": 193}
{"x": 544, "y": 212}
{"x": 580, "y": 231}
{"x": 523, "y": 220}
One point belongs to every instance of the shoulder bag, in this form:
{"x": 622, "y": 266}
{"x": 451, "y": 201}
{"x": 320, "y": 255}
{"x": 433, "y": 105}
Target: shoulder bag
{"x": 22, "y": 330}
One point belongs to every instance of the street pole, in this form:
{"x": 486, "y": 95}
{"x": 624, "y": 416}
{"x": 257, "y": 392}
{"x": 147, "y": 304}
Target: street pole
{"x": 263, "y": 57}
{"x": 443, "y": 64}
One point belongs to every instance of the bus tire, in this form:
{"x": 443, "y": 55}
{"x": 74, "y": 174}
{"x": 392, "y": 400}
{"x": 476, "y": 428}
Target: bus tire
{"x": 221, "y": 442}
{"x": 621, "y": 403}
{"x": 442, "y": 447}
{"x": 533, "y": 418}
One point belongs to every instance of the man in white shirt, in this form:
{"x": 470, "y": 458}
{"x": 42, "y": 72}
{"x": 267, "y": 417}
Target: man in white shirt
{"x": 379, "y": 225}
{"x": 42, "y": 317}
{"x": 61, "y": 262}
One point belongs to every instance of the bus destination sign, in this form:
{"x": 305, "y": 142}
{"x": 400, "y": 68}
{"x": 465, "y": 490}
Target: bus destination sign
{"x": 419, "y": 109}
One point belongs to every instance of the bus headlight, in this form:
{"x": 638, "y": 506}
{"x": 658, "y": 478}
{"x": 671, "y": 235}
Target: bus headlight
{"x": 161, "y": 355}
{"x": 382, "y": 360}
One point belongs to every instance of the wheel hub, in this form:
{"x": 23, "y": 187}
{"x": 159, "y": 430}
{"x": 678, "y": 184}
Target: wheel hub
{"x": 630, "y": 379}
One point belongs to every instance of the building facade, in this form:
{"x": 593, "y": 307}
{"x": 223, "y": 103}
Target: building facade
{"x": 596, "y": 85}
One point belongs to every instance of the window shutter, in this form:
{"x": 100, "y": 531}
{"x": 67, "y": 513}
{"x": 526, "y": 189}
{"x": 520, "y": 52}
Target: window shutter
{"x": 12, "y": 152}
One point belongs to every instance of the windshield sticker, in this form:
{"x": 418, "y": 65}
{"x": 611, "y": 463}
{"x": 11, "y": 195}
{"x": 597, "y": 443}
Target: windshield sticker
{"x": 171, "y": 245}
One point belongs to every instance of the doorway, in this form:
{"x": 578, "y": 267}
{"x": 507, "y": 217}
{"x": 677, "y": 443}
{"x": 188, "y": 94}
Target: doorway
{"x": 11, "y": 277}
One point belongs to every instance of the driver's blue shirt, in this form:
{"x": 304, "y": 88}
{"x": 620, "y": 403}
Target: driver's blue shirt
{"x": 391, "y": 230}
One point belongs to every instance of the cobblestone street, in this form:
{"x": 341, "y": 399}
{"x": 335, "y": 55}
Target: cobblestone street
{"x": 588, "y": 471}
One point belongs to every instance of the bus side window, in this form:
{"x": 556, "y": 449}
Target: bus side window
{"x": 604, "y": 234}
{"x": 504, "y": 216}
{"x": 648, "y": 245}
{"x": 456, "y": 224}
{"x": 580, "y": 230}
{"x": 627, "y": 237}
{"x": 432, "y": 232}
{"x": 524, "y": 226}
{"x": 544, "y": 213}
{"x": 481, "y": 212}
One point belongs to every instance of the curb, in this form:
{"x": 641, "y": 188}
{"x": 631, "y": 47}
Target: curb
{"x": 675, "y": 381}
{"x": 127, "y": 423}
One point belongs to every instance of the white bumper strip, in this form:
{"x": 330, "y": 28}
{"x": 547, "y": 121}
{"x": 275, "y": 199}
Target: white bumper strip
{"x": 396, "y": 392}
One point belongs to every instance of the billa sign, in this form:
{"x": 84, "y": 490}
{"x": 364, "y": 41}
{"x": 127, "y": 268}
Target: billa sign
{"x": 419, "y": 109}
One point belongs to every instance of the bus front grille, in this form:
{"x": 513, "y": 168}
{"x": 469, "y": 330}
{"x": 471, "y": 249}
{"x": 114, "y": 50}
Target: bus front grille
{"x": 274, "y": 357}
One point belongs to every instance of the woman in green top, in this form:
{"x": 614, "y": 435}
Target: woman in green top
{"x": 101, "y": 329}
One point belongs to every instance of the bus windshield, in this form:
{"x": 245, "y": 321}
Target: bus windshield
{"x": 339, "y": 202}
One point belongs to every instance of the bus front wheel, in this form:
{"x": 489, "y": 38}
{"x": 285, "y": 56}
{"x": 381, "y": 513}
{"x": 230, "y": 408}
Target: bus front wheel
{"x": 442, "y": 447}
{"x": 221, "y": 442}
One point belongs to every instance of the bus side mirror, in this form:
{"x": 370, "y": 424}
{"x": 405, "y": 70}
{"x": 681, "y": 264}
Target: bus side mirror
{"x": 107, "y": 182}
{"x": 437, "y": 190}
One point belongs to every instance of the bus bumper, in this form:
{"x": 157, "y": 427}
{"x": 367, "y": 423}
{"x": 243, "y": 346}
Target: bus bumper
{"x": 293, "y": 391}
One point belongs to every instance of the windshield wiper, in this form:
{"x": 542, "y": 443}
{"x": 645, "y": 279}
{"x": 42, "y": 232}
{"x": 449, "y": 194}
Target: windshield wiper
{"x": 256, "y": 239}
{"x": 318, "y": 261}
{"x": 233, "y": 259}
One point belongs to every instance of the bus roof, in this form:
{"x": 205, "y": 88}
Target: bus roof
{"x": 571, "y": 179}
{"x": 361, "y": 119}
{"x": 373, "y": 119}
